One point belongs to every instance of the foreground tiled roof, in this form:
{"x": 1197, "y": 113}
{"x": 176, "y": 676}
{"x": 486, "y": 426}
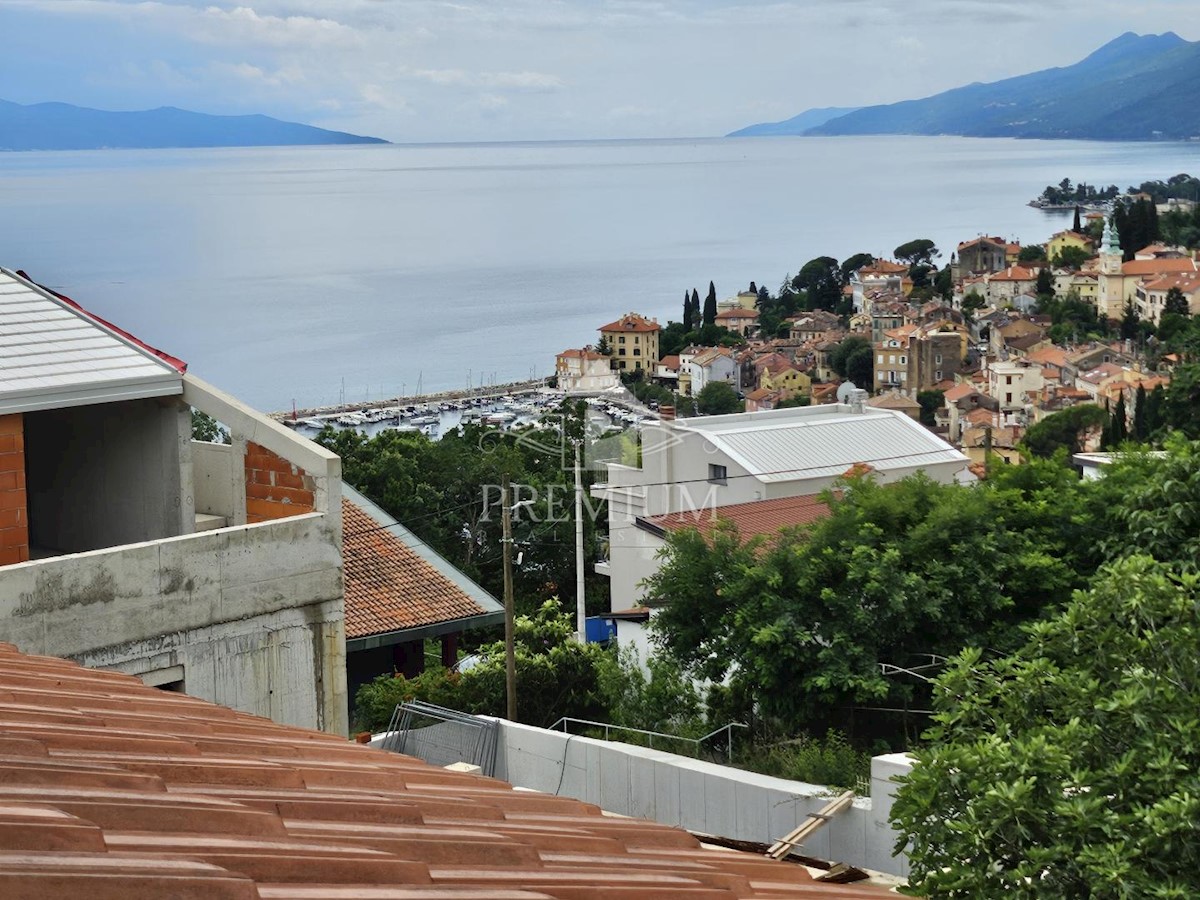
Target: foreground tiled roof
{"x": 394, "y": 582}
{"x": 111, "y": 790}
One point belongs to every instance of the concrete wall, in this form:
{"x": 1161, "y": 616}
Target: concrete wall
{"x": 212, "y": 480}
{"x": 252, "y": 614}
{"x": 703, "y": 797}
{"x": 108, "y": 474}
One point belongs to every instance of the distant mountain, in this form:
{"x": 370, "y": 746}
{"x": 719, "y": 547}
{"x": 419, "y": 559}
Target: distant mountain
{"x": 810, "y": 118}
{"x": 1135, "y": 88}
{"x": 60, "y": 126}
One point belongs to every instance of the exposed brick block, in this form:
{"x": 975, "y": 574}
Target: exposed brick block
{"x": 8, "y": 480}
{"x": 12, "y": 499}
{"x": 13, "y": 461}
{"x": 12, "y": 518}
{"x": 14, "y": 537}
{"x": 12, "y": 424}
{"x": 10, "y": 555}
{"x": 288, "y": 480}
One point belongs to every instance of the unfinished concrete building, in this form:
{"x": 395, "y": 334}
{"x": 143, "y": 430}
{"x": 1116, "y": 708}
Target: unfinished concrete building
{"x": 213, "y": 569}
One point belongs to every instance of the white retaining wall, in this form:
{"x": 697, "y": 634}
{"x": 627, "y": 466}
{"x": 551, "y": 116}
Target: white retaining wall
{"x": 703, "y": 797}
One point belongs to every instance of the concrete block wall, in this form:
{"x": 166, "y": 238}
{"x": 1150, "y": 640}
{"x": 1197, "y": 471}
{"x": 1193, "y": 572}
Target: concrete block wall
{"x": 251, "y": 615}
{"x": 703, "y": 797}
{"x": 275, "y": 488}
{"x": 14, "y": 503}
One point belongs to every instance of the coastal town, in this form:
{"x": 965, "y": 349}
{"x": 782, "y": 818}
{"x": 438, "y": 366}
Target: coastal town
{"x": 979, "y": 360}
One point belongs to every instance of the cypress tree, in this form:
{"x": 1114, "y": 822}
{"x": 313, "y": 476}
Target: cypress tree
{"x": 1076, "y": 225}
{"x": 1120, "y": 426}
{"x": 1154, "y": 411}
{"x": 1045, "y": 283}
{"x": 687, "y": 312}
{"x": 710, "y": 305}
{"x": 1140, "y": 430}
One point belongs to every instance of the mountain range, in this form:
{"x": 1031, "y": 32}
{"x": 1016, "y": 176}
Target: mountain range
{"x": 1134, "y": 88}
{"x": 60, "y": 126}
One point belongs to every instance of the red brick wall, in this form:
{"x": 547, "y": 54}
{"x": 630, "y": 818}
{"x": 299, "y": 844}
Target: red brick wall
{"x": 275, "y": 489}
{"x": 14, "y": 505}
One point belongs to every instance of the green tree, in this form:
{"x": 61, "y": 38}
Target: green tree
{"x": 1070, "y": 257}
{"x": 971, "y": 303}
{"x": 1176, "y": 303}
{"x": 1118, "y": 429}
{"x": 1141, "y": 427}
{"x": 603, "y": 347}
{"x": 1076, "y": 225}
{"x": 931, "y": 402}
{"x": 1032, "y": 253}
{"x": 1069, "y": 768}
{"x": 688, "y": 322}
{"x": 1066, "y": 430}
{"x": 916, "y": 252}
{"x": 710, "y": 305}
{"x": 1045, "y": 282}
{"x": 852, "y": 264}
{"x": 944, "y": 283}
{"x": 914, "y": 567}
{"x": 1181, "y": 403}
{"x": 556, "y": 676}
{"x": 206, "y": 428}
{"x": 718, "y": 398}
{"x": 821, "y": 281}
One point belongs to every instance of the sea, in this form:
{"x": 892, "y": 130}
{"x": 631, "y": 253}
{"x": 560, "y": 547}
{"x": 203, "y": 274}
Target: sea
{"x": 322, "y": 275}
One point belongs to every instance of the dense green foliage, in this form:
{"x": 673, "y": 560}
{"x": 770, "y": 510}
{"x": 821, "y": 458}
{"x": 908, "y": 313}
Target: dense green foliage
{"x": 854, "y": 360}
{"x": 894, "y": 572}
{"x": 1065, "y": 193}
{"x": 556, "y": 676}
{"x": 1137, "y": 224}
{"x": 1070, "y": 768}
{"x": 718, "y": 398}
{"x": 920, "y": 251}
{"x": 206, "y": 428}
{"x": 1066, "y": 430}
{"x": 447, "y": 492}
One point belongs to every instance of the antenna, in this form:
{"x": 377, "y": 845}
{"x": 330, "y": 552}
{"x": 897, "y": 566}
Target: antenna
{"x": 845, "y": 391}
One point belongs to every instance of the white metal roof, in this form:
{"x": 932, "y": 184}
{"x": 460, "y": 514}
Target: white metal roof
{"x": 821, "y": 441}
{"x": 53, "y": 355}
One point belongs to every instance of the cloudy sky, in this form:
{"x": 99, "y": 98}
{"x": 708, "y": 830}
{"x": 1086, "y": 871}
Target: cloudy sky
{"x": 463, "y": 70}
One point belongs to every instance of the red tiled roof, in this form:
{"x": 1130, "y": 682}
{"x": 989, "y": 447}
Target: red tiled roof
{"x": 670, "y": 362}
{"x": 738, "y": 314}
{"x": 1187, "y": 282}
{"x": 1157, "y": 266}
{"x": 389, "y": 587}
{"x": 960, "y": 390}
{"x": 581, "y": 354}
{"x": 112, "y": 790}
{"x": 631, "y": 322}
{"x": 757, "y": 517}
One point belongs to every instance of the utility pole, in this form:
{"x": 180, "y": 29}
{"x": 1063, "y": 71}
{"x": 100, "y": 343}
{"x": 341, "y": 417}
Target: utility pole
{"x": 510, "y": 658}
{"x": 580, "y": 608}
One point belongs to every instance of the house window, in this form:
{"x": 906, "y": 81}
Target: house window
{"x": 637, "y": 351}
{"x": 904, "y": 376}
{"x": 937, "y": 376}
{"x": 1008, "y": 379}
{"x": 1008, "y": 399}
{"x": 938, "y": 359}
{"x": 892, "y": 358}
{"x": 879, "y": 359}
{"x": 717, "y": 474}
{"x": 620, "y": 339}
{"x": 903, "y": 361}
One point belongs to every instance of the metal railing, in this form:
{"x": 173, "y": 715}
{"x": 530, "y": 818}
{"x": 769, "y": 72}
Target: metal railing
{"x": 442, "y": 736}
{"x": 651, "y": 735}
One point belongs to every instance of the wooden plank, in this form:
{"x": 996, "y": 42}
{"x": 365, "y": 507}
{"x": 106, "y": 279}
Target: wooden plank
{"x": 813, "y": 823}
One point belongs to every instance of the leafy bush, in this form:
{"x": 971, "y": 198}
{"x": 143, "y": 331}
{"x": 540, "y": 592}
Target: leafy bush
{"x": 830, "y": 760}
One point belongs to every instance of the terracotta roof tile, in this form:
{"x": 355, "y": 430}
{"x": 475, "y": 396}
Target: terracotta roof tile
{"x": 308, "y": 817}
{"x": 389, "y": 587}
{"x": 1146, "y": 267}
{"x": 632, "y": 322}
{"x": 757, "y": 517}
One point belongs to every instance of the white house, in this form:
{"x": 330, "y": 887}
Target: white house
{"x": 705, "y": 463}
{"x": 713, "y": 364}
{"x": 585, "y": 371}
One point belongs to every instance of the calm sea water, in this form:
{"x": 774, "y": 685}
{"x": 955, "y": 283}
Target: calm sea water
{"x": 303, "y": 273}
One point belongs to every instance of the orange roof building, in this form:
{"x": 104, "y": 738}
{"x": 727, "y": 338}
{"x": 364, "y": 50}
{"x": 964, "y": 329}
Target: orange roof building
{"x": 633, "y": 342}
{"x": 399, "y": 593}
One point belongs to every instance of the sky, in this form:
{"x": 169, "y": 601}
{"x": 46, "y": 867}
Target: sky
{"x": 511, "y": 70}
